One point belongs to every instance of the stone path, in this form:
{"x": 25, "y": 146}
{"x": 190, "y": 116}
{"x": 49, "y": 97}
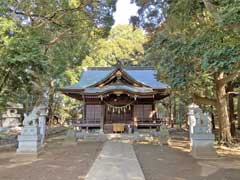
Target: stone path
{"x": 116, "y": 161}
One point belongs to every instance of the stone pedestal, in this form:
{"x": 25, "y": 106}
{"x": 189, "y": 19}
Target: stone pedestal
{"x": 29, "y": 142}
{"x": 70, "y": 136}
{"x": 200, "y": 132}
{"x": 164, "y": 136}
{"x": 202, "y": 146}
{"x": 11, "y": 121}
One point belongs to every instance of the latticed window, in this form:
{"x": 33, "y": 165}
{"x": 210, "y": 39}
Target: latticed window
{"x": 94, "y": 113}
{"x": 143, "y": 112}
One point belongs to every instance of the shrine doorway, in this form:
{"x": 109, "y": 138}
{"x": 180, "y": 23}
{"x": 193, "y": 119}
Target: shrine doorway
{"x": 119, "y": 109}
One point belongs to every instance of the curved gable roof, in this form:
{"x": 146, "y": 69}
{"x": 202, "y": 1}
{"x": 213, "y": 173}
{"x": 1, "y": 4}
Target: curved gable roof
{"x": 91, "y": 76}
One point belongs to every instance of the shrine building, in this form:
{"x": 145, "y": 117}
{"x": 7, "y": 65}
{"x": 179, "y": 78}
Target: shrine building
{"x": 114, "y": 96}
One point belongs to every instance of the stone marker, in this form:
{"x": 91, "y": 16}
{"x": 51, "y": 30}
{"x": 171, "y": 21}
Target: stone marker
{"x": 200, "y": 132}
{"x": 70, "y": 137}
{"x": 162, "y": 134}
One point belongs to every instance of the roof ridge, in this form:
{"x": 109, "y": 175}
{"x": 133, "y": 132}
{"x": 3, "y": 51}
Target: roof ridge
{"x": 139, "y": 68}
{"x": 99, "y": 68}
{"x": 124, "y": 67}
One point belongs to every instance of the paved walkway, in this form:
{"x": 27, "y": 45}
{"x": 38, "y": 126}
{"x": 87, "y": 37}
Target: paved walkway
{"x": 116, "y": 161}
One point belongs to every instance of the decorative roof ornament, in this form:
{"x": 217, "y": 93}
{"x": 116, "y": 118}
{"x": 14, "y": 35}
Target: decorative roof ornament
{"x": 119, "y": 75}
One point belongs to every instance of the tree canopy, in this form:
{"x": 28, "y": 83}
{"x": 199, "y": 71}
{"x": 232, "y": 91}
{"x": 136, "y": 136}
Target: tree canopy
{"x": 196, "y": 49}
{"x": 123, "y": 43}
{"x": 41, "y": 41}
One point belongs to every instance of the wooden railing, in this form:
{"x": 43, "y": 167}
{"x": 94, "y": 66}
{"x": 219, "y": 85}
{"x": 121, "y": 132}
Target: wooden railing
{"x": 152, "y": 121}
{"x": 140, "y": 122}
{"x": 87, "y": 123}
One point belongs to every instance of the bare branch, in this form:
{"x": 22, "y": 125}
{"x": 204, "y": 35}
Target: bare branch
{"x": 50, "y": 17}
{"x": 230, "y": 77}
{"x": 233, "y": 92}
{"x": 212, "y": 9}
{"x": 204, "y": 100}
{"x": 57, "y": 38}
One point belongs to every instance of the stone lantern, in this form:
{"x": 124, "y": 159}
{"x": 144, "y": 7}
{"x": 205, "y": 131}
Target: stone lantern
{"x": 11, "y": 118}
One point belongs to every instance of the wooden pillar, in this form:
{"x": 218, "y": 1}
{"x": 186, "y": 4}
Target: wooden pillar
{"x": 170, "y": 110}
{"x": 84, "y": 110}
{"x": 102, "y": 119}
{"x": 135, "y": 118}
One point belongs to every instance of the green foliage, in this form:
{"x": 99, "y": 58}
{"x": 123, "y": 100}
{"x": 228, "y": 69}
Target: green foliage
{"x": 230, "y": 14}
{"x": 123, "y": 43}
{"x": 44, "y": 42}
{"x": 22, "y": 63}
{"x": 190, "y": 46}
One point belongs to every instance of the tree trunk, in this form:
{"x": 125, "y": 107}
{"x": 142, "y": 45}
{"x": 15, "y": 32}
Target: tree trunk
{"x": 51, "y": 101}
{"x": 238, "y": 111}
{"x": 231, "y": 109}
{"x": 174, "y": 111}
{"x": 170, "y": 110}
{"x": 213, "y": 119}
{"x": 224, "y": 125}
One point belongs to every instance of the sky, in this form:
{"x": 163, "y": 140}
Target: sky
{"x": 124, "y": 11}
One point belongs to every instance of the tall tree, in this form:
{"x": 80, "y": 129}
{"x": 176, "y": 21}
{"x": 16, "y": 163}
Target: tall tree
{"x": 40, "y": 40}
{"x": 197, "y": 50}
{"x": 123, "y": 43}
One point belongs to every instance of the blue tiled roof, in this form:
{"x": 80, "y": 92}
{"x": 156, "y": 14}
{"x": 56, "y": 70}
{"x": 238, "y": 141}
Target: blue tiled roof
{"x": 90, "y": 77}
{"x": 147, "y": 77}
{"x": 94, "y": 75}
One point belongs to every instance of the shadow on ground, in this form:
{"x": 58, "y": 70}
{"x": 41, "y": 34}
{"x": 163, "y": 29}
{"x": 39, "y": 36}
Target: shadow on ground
{"x": 175, "y": 163}
{"x": 58, "y": 162}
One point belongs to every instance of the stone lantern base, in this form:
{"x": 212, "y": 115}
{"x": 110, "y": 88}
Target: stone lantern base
{"x": 29, "y": 142}
{"x": 202, "y": 146}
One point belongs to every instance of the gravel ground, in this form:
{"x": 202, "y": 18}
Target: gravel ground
{"x": 174, "y": 163}
{"x": 72, "y": 162}
{"x": 58, "y": 162}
